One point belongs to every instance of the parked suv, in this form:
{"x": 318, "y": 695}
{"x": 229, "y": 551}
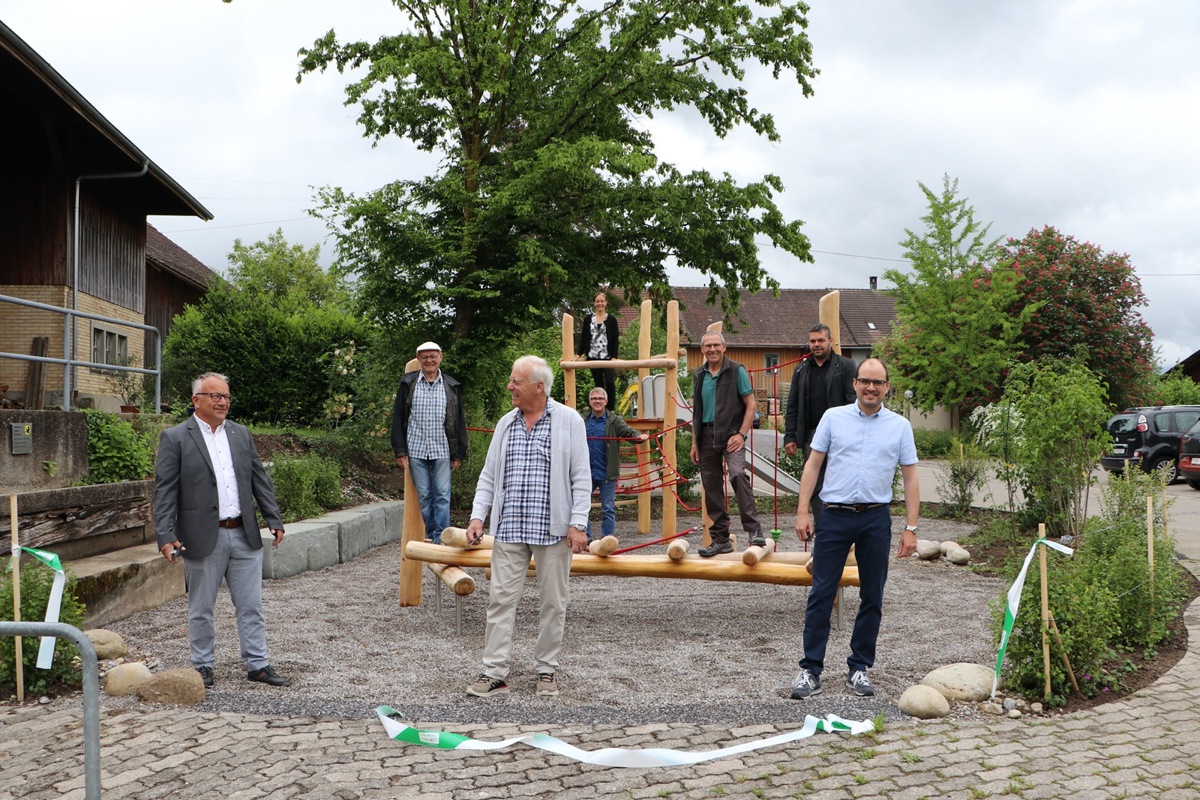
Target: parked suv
{"x": 1189, "y": 456}
{"x": 1149, "y": 437}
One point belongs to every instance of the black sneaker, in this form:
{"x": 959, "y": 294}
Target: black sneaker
{"x": 716, "y": 548}
{"x": 860, "y": 684}
{"x": 758, "y": 540}
{"x": 487, "y": 687}
{"x": 206, "y": 675}
{"x": 805, "y": 685}
{"x": 267, "y": 675}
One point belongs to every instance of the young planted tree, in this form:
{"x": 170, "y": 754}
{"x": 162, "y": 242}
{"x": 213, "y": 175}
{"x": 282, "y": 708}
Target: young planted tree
{"x": 1089, "y": 299}
{"x": 550, "y": 184}
{"x": 955, "y": 329}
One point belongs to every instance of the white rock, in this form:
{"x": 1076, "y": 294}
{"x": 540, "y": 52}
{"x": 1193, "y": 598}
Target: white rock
{"x": 923, "y": 702}
{"x": 961, "y": 681}
{"x": 108, "y": 644}
{"x": 124, "y": 679}
{"x": 992, "y": 708}
{"x": 928, "y": 550}
{"x": 946, "y": 545}
{"x": 1036, "y": 708}
{"x": 958, "y": 555}
{"x": 1014, "y": 714}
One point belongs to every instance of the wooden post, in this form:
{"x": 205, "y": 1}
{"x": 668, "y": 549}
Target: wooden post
{"x": 568, "y": 351}
{"x": 1045, "y": 608}
{"x": 19, "y": 671}
{"x": 1150, "y": 543}
{"x": 643, "y": 448}
{"x": 414, "y": 531}
{"x": 669, "y": 416}
{"x": 830, "y": 311}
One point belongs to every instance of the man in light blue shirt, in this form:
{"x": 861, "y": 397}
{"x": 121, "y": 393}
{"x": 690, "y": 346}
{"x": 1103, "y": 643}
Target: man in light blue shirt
{"x": 863, "y": 443}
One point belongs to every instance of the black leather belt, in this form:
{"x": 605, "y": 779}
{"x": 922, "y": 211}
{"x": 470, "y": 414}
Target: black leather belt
{"x": 857, "y": 508}
{"x": 232, "y": 522}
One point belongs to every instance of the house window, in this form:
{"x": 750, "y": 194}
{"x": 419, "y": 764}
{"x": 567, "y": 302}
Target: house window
{"x": 109, "y": 347}
{"x": 770, "y": 360}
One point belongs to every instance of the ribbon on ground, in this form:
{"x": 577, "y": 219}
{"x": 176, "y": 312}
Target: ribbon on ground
{"x": 53, "y": 604}
{"x": 401, "y": 731}
{"x": 1014, "y": 602}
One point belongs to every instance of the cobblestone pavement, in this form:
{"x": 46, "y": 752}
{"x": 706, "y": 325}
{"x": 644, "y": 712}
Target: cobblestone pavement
{"x": 1147, "y": 746}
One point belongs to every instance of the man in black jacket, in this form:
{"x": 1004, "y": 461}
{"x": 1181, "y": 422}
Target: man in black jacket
{"x": 429, "y": 435}
{"x": 822, "y": 381}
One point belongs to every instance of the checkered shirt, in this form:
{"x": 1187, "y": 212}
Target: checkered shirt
{"x": 526, "y": 512}
{"x": 427, "y": 420}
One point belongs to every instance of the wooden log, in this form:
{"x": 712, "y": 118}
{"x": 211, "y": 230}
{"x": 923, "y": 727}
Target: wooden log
{"x": 795, "y": 558}
{"x": 459, "y": 582}
{"x": 630, "y": 566}
{"x": 755, "y": 554}
{"x": 620, "y": 363}
{"x": 45, "y": 529}
{"x": 604, "y": 547}
{"x": 457, "y": 537}
{"x": 677, "y": 549}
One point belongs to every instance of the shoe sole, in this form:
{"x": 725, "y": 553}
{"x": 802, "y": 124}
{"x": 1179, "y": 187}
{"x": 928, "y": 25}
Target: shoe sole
{"x": 860, "y": 692}
{"x": 492, "y": 693}
{"x": 813, "y": 693}
{"x": 542, "y": 693}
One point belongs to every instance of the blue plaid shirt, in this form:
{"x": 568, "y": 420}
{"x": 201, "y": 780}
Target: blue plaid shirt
{"x": 427, "y": 422}
{"x": 526, "y": 487}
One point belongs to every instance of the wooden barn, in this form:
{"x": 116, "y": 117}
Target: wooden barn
{"x": 73, "y": 210}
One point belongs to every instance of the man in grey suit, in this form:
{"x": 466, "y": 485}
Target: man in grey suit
{"x": 207, "y": 478}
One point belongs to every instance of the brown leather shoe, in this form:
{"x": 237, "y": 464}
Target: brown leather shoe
{"x": 267, "y": 675}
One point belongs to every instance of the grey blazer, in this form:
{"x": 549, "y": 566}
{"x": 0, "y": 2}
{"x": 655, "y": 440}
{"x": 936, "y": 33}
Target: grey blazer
{"x": 185, "y": 488}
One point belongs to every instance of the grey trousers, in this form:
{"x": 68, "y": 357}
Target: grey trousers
{"x": 713, "y": 459}
{"x": 239, "y": 565}
{"x": 510, "y": 562}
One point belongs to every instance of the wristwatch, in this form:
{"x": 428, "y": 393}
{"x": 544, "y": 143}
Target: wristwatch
{"x": 912, "y": 528}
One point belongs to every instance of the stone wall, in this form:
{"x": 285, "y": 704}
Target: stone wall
{"x": 59, "y": 456}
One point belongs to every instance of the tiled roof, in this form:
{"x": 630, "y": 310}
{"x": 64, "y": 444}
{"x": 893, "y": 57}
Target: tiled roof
{"x": 164, "y": 254}
{"x": 767, "y": 321}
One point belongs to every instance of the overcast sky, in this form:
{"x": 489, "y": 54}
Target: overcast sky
{"x": 1081, "y": 115}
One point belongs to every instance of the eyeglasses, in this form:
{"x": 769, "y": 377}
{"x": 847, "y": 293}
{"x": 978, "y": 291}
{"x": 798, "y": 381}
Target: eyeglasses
{"x": 216, "y": 397}
{"x": 878, "y": 384}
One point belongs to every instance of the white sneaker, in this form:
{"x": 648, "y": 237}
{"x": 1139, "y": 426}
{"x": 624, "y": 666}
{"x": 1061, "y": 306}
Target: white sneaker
{"x": 546, "y": 685}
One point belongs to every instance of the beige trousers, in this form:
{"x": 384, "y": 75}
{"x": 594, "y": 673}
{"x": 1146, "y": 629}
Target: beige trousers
{"x": 510, "y": 562}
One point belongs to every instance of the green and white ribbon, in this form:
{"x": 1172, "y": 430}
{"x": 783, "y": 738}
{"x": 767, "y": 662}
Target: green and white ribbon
{"x": 53, "y": 605}
{"x": 1014, "y": 603}
{"x": 610, "y": 756}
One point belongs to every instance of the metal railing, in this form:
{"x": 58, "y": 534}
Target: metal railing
{"x": 68, "y": 361}
{"x": 91, "y": 692}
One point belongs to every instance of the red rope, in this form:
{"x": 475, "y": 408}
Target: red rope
{"x": 649, "y": 544}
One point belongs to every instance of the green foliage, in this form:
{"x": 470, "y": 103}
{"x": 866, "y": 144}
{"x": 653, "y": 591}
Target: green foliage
{"x": 464, "y": 479}
{"x": 270, "y": 338}
{"x": 116, "y": 450}
{"x": 963, "y": 473}
{"x": 36, "y": 581}
{"x": 1105, "y": 598}
{"x": 998, "y": 431}
{"x": 1063, "y": 411}
{"x": 305, "y": 486}
{"x": 1091, "y": 300}
{"x": 1176, "y": 389}
{"x": 549, "y": 185}
{"x": 955, "y": 324}
{"x": 683, "y": 463}
{"x": 934, "y": 443}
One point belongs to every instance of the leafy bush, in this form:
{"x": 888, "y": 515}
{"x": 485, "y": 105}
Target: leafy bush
{"x": 305, "y": 486}
{"x": 116, "y": 450}
{"x": 36, "y": 580}
{"x": 934, "y": 444}
{"x": 464, "y": 479}
{"x": 963, "y": 473}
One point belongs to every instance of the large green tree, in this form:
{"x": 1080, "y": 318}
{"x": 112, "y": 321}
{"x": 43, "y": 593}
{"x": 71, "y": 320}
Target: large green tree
{"x": 549, "y": 183}
{"x": 955, "y": 331}
{"x": 1088, "y": 299}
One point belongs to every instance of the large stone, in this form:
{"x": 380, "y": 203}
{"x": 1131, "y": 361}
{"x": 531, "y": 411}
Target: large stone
{"x": 306, "y": 546}
{"x": 180, "y": 687}
{"x": 958, "y": 555}
{"x": 928, "y": 550}
{"x": 108, "y": 644}
{"x": 125, "y": 679}
{"x": 924, "y": 702}
{"x": 946, "y": 545}
{"x": 961, "y": 681}
{"x": 364, "y": 528}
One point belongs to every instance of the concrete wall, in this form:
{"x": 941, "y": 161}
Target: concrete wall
{"x": 59, "y": 447}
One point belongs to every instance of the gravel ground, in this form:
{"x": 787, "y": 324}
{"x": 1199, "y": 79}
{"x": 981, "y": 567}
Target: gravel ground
{"x": 636, "y": 650}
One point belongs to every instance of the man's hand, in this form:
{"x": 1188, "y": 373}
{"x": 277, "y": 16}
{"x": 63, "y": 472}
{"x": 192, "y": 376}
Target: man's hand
{"x": 455, "y": 465}
{"x": 695, "y": 453}
{"x": 170, "y": 550}
{"x": 475, "y": 531}
{"x": 791, "y": 448}
{"x": 278, "y": 534}
{"x": 908, "y": 544}
{"x": 736, "y": 442}
{"x": 402, "y": 462}
{"x": 577, "y": 540}
{"x": 804, "y": 526}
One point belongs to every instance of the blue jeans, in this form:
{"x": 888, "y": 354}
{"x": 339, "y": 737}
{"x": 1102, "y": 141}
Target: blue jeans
{"x": 871, "y": 533}
{"x": 431, "y": 477}
{"x": 608, "y": 508}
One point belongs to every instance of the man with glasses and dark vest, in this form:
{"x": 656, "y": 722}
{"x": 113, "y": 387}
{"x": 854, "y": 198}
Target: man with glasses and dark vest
{"x": 207, "y": 478}
{"x": 863, "y": 443}
{"x": 723, "y": 408}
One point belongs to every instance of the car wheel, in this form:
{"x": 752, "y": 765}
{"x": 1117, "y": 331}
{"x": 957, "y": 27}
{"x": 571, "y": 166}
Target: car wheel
{"x": 1170, "y": 465}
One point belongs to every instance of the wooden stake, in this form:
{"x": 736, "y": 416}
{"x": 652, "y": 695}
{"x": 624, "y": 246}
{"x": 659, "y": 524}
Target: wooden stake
{"x": 568, "y": 352}
{"x": 1150, "y": 544}
{"x": 19, "y": 672}
{"x": 1045, "y": 608}
{"x": 645, "y": 454}
{"x": 414, "y": 531}
{"x": 669, "y": 415}
{"x": 1063, "y": 651}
